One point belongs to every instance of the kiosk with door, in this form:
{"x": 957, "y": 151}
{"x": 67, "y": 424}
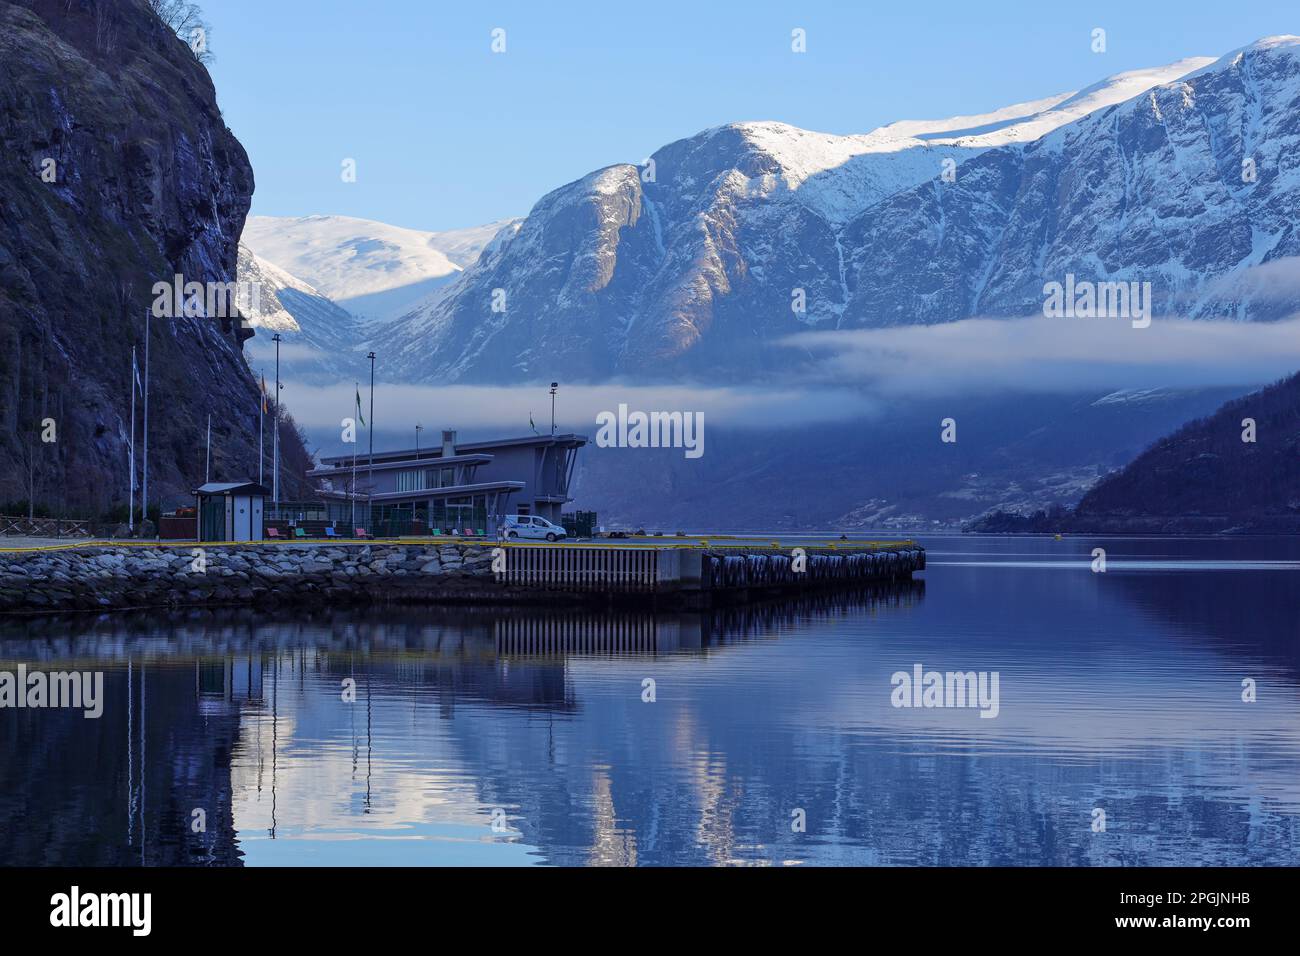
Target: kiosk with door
{"x": 231, "y": 511}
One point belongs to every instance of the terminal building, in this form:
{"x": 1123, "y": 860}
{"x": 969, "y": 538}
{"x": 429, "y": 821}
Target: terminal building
{"x": 453, "y": 488}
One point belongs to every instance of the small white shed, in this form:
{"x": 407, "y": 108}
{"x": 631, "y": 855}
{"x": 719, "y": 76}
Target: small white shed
{"x": 231, "y": 511}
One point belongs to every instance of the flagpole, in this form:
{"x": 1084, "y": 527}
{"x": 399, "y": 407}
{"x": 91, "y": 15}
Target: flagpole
{"x": 207, "y": 461}
{"x": 261, "y": 427}
{"x": 144, "y": 486}
{"x": 354, "y": 462}
{"x": 370, "y": 432}
{"x": 130, "y": 512}
{"x": 275, "y": 429}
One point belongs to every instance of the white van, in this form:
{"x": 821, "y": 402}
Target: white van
{"x": 533, "y": 526}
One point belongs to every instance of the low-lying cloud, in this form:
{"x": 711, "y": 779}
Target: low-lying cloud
{"x": 844, "y": 376}
{"x": 1051, "y": 355}
{"x": 1276, "y": 281}
{"x": 501, "y": 407}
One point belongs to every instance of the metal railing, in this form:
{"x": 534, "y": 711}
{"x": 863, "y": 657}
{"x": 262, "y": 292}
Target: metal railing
{"x": 580, "y": 569}
{"x": 637, "y": 569}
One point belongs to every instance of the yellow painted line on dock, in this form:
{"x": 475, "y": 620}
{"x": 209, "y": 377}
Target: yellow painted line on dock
{"x": 708, "y": 545}
{"x": 131, "y": 543}
{"x": 702, "y": 543}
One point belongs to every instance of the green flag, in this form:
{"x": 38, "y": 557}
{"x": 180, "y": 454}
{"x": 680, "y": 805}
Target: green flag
{"x": 360, "y": 417}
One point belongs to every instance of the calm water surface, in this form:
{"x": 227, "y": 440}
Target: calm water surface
{"x": 522, "y": 738}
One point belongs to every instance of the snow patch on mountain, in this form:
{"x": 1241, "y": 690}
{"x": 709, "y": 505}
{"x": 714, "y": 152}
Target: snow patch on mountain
{"x": 1026, "y": 122}
{"x": 374, "y": 270}
{"x": 260, "y": 283}
{"x": 827, "y": 172}
{"x": 318, "y": 335}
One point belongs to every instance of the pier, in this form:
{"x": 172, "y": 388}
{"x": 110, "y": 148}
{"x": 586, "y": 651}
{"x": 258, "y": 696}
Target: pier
{"x": 671, "y": 573}
{"x": 708, "y": 567}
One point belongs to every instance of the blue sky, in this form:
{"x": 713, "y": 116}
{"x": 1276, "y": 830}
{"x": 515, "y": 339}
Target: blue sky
{"x": 447, "y": 134}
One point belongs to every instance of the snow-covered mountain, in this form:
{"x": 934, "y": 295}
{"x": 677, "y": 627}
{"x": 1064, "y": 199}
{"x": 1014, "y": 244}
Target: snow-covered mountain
{"x": 318, "y": 335}
{"x": 1193, "y": 186}
{"x": 732, "y": 239}
{"x": 371, "y": 269}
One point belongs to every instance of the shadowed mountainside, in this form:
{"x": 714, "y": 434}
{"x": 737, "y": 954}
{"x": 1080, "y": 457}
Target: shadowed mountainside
{"x": 1203, "y": 478}
{"x": 116, "y": 172}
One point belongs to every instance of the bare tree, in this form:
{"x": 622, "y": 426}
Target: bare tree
{"x": 186, "y": 19}
{"x": 34, "y": 459}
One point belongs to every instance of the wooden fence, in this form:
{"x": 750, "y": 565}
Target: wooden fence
{"x": 12, "y": 525}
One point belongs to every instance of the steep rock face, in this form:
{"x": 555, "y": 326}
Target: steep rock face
{"x": 116, "y": 172}
{"x": 564, "y": 253}
{"x": 682, "y": 266}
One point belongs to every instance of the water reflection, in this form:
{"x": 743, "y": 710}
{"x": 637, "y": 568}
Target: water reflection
{"x": 436, "y": 736}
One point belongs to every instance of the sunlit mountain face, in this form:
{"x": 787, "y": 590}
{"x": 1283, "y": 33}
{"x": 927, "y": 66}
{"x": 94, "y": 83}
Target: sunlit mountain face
{"x": 697, "y": 262}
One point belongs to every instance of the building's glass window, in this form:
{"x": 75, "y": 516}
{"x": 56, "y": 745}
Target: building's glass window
{"x": 460, "y": 513}
{"x": 448, "y": 477}
{"x": 422, "y": 479}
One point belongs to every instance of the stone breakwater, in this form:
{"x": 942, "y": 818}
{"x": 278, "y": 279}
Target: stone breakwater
{"x": 124, "y": 577}
{"x": 108, "y": 577}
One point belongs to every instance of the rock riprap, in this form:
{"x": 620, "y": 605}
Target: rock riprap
{"x": 106, "y": 577}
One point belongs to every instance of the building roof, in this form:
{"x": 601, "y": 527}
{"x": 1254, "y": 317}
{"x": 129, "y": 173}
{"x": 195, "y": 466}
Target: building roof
{"x": 343, "y": 464}
{"x": 455, "y": 491}
{"x": 465, "y": 449}
{"x": 232, "y": 488}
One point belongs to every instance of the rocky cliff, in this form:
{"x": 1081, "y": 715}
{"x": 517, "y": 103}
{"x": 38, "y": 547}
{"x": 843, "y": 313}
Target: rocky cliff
{"x": 116, "y": 172}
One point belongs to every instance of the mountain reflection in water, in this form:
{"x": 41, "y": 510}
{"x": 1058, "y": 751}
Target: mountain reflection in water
{"x": 520, "y": 737}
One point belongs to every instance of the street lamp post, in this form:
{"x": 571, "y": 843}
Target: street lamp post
{"x": 370, "y": 473}
{"x": 554, "y": 386}
{"x": 275, "y": 434}
{"x": 144, "y": 488}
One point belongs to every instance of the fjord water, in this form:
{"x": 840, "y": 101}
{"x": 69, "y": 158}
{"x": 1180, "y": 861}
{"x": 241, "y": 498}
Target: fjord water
{"x": 524, "y": 737}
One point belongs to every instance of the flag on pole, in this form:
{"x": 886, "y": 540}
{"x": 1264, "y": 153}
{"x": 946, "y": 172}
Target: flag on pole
{"x": 263, "y": 394}
{"x": 361, "y": 418}
{"x": 135, "y": 369}
{"x": 530, "y": 423}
